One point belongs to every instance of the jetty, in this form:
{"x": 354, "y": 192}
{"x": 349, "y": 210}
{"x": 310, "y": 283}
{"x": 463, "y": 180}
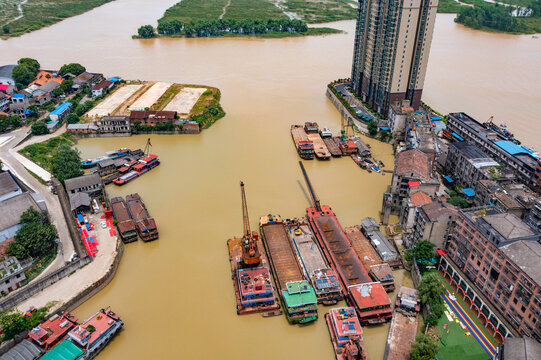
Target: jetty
{"x": 300, "y": 301}
{"x": 403, "y": 325}
{"x": 314, "y": 265}
{"x": 320, "y": 149}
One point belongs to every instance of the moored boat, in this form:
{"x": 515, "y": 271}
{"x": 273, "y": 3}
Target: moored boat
{"x": 346, "y": 334}
{"x": 325, "y": 132}
{"x": 134, "y": 169}
{"x": 124, "y": 222}
{"x": 144, "y": 223}
{"x": 304, "y": 147}
{"x": 110, "y": 155}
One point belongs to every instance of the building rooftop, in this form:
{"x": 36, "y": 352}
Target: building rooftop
{"x": 369, "y": 295}
{"x": 527, "y": 256}
{"x": 102, "y": 85}
{"x": 515, "y": 149}
{"x": 420, "y": 198}
{"x": 436, "y": 209}
{"x": 81, "y": 127}
{"x": 508, "y": 225}
{"x": 101, "y": 322}
{"x": 61, "y": 108}
{"x": 299, "y": 293}
{"x": 474, "y": 155}
{"x": 52, "y": 329}
{"x": 142, "y": 114}
{"x": 79, "y": 199}
{"x": 413, "y": 161}
{"x": 382, "y": 272}
{"x": 7, "y": 184}
{"x": 66, "y": 350}
{"x": 523, "y": 348}
{"x": 82, "y": 181}
{"x": 12, "y": 209}
{"x": 25, "y": 350}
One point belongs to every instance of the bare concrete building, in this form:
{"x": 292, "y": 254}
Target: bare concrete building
{"x": 392, "y": 44}
{"x": 433, "y": 222}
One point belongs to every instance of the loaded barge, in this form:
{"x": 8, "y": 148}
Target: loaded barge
{"x": 305, "y": 148}
{"x": 346, "y": 334}
{"x": 312, "y": 133}
{"x": 124, "y": 222}
{"x": 251, "y": 277}
{"x": 369, "y": 298}
{"x": 316, "y": 269}
{"x": 403, "y": 326}
{"x": 134, "y": 169}
{"x": 333, "y": 146}
{"x": 145, "y": 225}
{"x": 298, "y": 297}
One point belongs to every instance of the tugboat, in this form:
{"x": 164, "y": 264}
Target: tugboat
{"x": 346, "y": 334}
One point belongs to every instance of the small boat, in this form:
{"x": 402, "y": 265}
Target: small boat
{"x": 325, "y": 133}
{"x": 376, "y": 169}
{"x": 346, "y": 334}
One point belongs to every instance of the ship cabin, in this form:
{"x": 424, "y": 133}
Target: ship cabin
{"x": 149, "y": 160}
{"x": 408, "y": 300}
{"x": 311, "y": 127}
{"x": 345, "y": 325}
{"x": 384, "y": 274}
{"x": 348, "y": 147}
{"x": 306, "y": 149}
{"x": 53, "y": 330}
{"x": 95, "y": 332}
{"x": 255, "y": 287}
{"x": 326, "y": 283}
{"x": 371, "y": 302}
{"x": 300, "y": 301}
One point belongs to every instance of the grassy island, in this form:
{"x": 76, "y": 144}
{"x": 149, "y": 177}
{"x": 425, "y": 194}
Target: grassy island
{"x": 18, "y": 17}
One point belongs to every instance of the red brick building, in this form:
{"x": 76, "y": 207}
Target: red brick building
{"x": 152, "y": 117}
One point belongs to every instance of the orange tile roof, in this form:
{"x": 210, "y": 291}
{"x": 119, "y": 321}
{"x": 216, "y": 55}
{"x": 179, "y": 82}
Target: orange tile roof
{"x": 420, "y": 198}
{"x": 45, "y": 76}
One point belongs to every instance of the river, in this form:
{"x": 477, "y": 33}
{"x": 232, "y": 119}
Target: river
{"x": 175, "y": 295}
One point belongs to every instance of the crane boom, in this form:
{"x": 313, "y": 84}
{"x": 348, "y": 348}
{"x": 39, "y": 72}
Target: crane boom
{"x": 250, "y": 253}
{"x": 245, "y": 217}
{"x": 310, "y": 188}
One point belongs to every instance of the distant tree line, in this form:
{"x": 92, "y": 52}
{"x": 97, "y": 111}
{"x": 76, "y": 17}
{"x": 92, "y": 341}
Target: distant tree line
{"x": 206, "y": 28}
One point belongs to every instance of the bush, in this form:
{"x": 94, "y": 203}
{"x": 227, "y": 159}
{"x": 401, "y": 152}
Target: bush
{"x": 72, "y": 68}
{"x": 66, "y": 163}
{"x": 146, "y": 32}
{"x": 372, "y": 128}
{"x": 36, "y": 237}
{"x": 39, "y": 128}
{"x": 424, "y": 348}
{"x": 72, "y": 118}
{"x": 13, "y": 322}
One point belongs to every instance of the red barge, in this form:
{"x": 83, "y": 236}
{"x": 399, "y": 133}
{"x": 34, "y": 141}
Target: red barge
{"x": 369, "y": 298}
{"x": 251, "y": 277}
{"x": 346, "y": 334}
{"x": 145, "y": 225}
{"x": 124, "y": 222}
{"x": 134, "y": 169}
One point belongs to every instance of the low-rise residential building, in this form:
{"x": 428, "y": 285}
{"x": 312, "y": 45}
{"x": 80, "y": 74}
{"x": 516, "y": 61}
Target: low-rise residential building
{"x": 12, "y": 274}
{"x": 45, "y": 76}
{"x": 500, "y": 255}
{"x": 534, "y": 216}
{"x": 152, "y": 117}
{"x": 191, "y": 127}
{"x": 523, "y": 348}
{"x": 80, "y": 202}
{"x": 410, "y": 207}
{"x": 87, "y": 78}
{"x": 25, "y": 350}
{"x": 90, "y": 184}
{"x": 19, "y": 104}
{"x": 11, "y": 209}
{"x": 370, "y": 229}
{"x": 8, "y": 186}
{"x": 398, "y": 117}
{"x": 61, "y": 111}
{"x": 82, "y": 129}
{"x": 509, "y": 197}
{"x": 6, "y": 75}
{"x": 114, "y": 124}
{"x": 4, "y": 102}
{"x": 7, "y": 89}
{"x": 433, "y": 222}
{"x": 100, "y": 88}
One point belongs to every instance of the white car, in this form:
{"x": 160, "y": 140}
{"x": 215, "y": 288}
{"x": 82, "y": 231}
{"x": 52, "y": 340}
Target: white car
{"x": 103, "y": 225}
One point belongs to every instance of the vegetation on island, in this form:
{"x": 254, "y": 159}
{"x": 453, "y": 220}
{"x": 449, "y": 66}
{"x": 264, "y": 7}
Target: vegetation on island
{"x": 14, "y": 322}
{"x": 72, "y": 68}
{"x": 25, "y": 71}
{"x": 35, "y": 238}
{"x": 39, "y": 13}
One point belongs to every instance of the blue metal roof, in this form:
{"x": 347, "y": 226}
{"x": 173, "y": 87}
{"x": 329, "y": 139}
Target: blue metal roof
{"x": 469, "y": 192}
{"x": 448, "y": 178}
{"x": 435, "y": 118}
{"x": 384, "y": 128}
{"x": 457, "y": 137}
{"x": 18, "y": 96}
{"x": 113, "y": 79}
{"x": 514, "y": 149}
{"x": 61, "y": 108}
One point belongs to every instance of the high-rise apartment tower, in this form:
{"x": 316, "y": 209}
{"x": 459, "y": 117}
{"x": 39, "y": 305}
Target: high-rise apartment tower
{"x": 392, "y": 44}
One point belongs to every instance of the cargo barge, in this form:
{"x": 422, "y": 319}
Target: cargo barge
{"x": 298, "y": 297}
{"x": 316, "y": 269}
{"x": 362, "y": 247}
{"x": 145, "y": 224}
{"x": 110, "y": 155}
{"x": 403, "y": 326}
{"x": 346, "y": 334}
{"x": 332, "y": 146}
{"x": 384, "y": 274}
{"x": 320, "y": 149}
{"x": 251, "y": 277}
{"x": 304, "y": 147}
{"x": 371, "y": 302}
{"x": 124, "y": 222}
{"x": 134, "y": 169}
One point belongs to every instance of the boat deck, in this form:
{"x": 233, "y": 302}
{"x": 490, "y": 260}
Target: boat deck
{"x": 320, "y": 149}
{"x": 281, "y": 255}
{"x": 362, "y": 247}
{"x": 309, "y": 253}
{"x": 402, "y": 332}
{"x": 298, "y": 134}
{"x": 332, "y": 146}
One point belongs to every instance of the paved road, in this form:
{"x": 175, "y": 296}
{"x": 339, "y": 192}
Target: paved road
{"x": 53, "y": 204}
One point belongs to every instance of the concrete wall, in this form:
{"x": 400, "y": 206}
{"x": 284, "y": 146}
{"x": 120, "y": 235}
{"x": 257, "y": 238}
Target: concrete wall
{"x": 66, "y": 210}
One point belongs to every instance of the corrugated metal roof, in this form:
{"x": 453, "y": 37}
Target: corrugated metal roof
{"x": 61, "y": 108}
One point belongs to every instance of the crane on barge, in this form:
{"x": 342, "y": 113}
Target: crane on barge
{"x": 251, "y": 256}
{"x": 310, "y": 188}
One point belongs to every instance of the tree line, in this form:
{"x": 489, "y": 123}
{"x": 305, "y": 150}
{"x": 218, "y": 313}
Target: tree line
{"x": 206, "y": 28}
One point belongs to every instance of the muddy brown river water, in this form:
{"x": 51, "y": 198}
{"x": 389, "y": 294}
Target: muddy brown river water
{"x": 175, "y": 295}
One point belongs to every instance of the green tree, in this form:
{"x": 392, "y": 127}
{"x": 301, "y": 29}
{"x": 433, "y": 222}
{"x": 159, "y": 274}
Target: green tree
{"x": 430, "y": 290}
{"x": 422, "y": 251}
{"x": 424, "y": 348}
{"x": 66, "y": 163}
{"x": 36, "y": 237}
{"x": 458, "y": 201}
{"x": 72, "y": 68}
{"x": 146, "y": 32}
{"x": 23, "y": 75}
{"x": 13, "y": 322}
{"x": 30, "y": 63}
{"x": 5, "y": 29}
{"x": 372, "y": 128}
{"x": 72, "y": 118}
{"x": 39, "y": 128}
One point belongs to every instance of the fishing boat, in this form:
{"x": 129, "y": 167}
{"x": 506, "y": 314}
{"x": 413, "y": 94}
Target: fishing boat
{"x": 346, "y": 334}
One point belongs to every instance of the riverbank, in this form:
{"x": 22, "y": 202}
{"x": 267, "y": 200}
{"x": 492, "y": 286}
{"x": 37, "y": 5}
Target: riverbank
{"x": 23, "y": 16}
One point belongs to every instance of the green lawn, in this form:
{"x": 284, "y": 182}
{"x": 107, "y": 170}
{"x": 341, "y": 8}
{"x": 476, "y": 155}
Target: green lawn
{"x": 318, "y": 11}
{"x": 454, "y": 344}
{"x": 41, "y": 13}
{"x": 193, "y": 10}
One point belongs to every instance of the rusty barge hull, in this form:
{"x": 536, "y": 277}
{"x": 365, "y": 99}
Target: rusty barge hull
{"x": 320, "y": 149}
{"x": 299, "y": 135}
{"x": 402, "y": 332}
{"x": 145, "y": 225}
{"x": 125, "y": 223}
{"x": 332, "y": 146}
{"x": 235, "y": 256}
{"x": 362, "y": 247}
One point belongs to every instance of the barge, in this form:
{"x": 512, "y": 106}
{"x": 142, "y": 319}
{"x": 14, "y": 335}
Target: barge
{"x": 332, "y": 146}
{"x": 369, "y": 298}
{"x": 384, "y": 274}
{"x": 304, "y": 147}
{"x": 362, "y": 247}
{"x": 124, "y": 222}
{"x": 316, "y": 269}
{"x": 325, "y": 133}
{"x": 110, "y": 155}
{"x": 403, "y": 326}
{"x": 346, "y": 334}
{"x": 298, "y": 297}
{"x": 251, "y": 277}
{"x": 134, "y": 169}
{"x": 311, "y": 127}
{"x": 320, "y": 149}
{"x": 145, "y": 224}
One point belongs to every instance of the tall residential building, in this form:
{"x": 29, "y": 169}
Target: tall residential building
{"x": 392, "y": 44}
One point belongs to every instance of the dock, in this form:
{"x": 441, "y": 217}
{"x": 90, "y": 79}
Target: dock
{"x": 125, "y": 223}
{"x": 320, "y": 149}
{"x": 145, "y": 224}
{"x": 332, "y": 146}
{"x": 362, "y": 247}
{"x": 315, "y": 267}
